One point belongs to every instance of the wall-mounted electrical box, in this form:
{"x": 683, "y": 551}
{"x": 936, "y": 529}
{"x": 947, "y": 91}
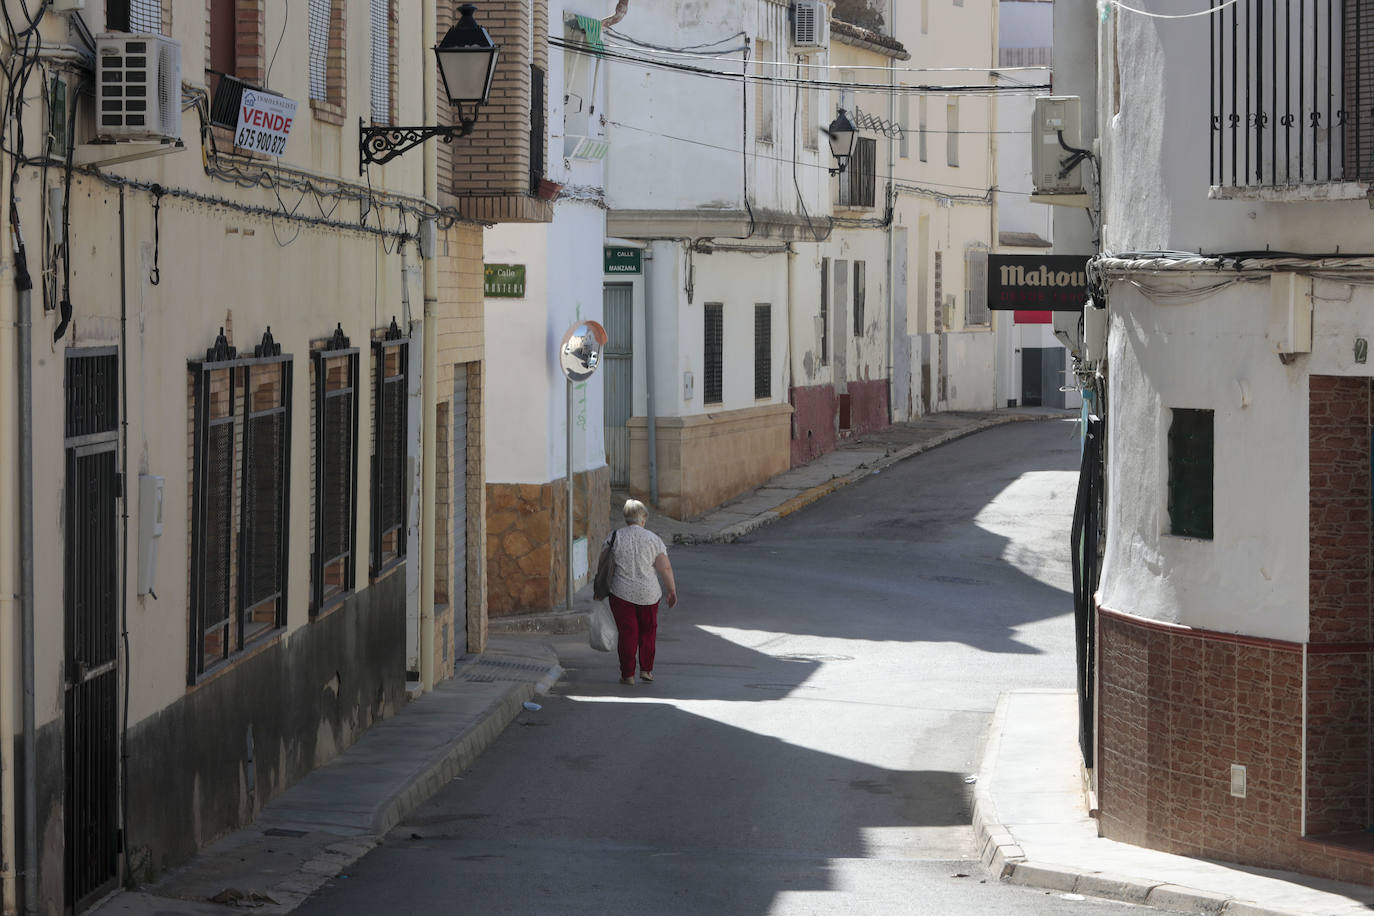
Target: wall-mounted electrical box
{"x": 1056, "y": 118}
{"x": 150, "y": 492}
{"x": 1290, "y": 313}
{"x": 689, "y": 385}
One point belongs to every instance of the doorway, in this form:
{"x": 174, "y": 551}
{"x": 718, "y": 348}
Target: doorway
{"x": 618, "y": 310}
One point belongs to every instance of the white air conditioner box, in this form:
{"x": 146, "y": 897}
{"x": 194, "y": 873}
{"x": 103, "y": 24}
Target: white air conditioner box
{"x": 137, "y": 87}
{"x": 1055, "y": 115}
{"x": 808, "y": 24}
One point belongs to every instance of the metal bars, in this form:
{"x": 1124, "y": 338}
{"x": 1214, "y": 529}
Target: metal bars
{"x": 1292, "y": 92}
{"x": 763, "y": 351}
{"x": 391, "y": 364}
{"x": 333, "y": 562}
{"x": 713, "y": 354}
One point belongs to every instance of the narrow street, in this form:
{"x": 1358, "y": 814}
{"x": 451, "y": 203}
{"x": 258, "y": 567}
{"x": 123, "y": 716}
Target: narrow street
{"x": 823, "y": 690}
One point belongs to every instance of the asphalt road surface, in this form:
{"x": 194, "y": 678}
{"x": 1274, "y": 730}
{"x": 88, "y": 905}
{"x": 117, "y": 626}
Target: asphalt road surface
{"x": 823, "y": 691}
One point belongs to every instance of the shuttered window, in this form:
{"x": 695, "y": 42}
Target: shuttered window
{"x": 859, "y": 180}
{"x": 860, "y": 295}
{"x": 825, "y": 311}
{"x": 976, "y": 286}
{"x": 1190, "y": 473}
{"x": 763, "y": 351}
{"x": 240, "y": 493}
{"x": 712, "y": 388}
{"x": 390, "y": 360}
{"x": 335, "y": 384}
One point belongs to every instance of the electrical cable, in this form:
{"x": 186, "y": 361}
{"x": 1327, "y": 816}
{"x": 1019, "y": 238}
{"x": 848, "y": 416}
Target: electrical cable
{"x": 1130, "y": 9}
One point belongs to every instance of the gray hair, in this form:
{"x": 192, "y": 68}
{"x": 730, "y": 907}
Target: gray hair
{"x": 636, "y": 513}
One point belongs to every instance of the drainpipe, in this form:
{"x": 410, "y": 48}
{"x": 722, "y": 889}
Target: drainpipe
{"x": 24, "y": 363}
{"x": 9, "y": 592}
{"x": 891, "y": 219}
{"x": 650, "y": 411}
{"x": 429, "y": 381}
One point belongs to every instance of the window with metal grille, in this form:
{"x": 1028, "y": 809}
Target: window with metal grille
{"x": 140, "y": 16}
{"x": 860, "y": 295}
{"x": 390, "y": 366}
{"x": 537, "y": 138}
{"x": 825, "y": 311}
{"x": 1190, "y": 473}
{"x": 976, "y": 286}
{"x": 335, "y": 382}
{"x": 320, "y": 29}
{"x": 712, "y": 388}
{"x": 763, "y": 351}
{"x": 381, "y": 61}
{"x": 858, "y": 182}
{"x": 242, "y": 433}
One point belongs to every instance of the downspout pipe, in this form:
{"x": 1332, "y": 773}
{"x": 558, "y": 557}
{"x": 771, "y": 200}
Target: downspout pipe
{"x": 23, "y": 284}
{"x": 650, "y": 408}
{"x": 429, "y": 380}
{"x": 9, "y": 597}
{"x": 891, "y": 201}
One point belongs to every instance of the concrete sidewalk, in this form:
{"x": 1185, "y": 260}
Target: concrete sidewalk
{"x": 332, "y": 817}
{"x": 1033, "y": 825}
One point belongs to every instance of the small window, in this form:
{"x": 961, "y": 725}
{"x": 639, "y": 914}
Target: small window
{"x": 763, "y": 351}
{"x": 860, "y": 295}
{"x": 713, "y": 355}
{"x": 325, "y": 42}
{"x": 952, "y": 131}
{"x": 763, "y": 92}
{"x": 921, "y": 130}
{"x": 390, "y": 360}
{"x": 825, "y": 311}
{"x": 1190, "y": 473}
{"x": 976, "y": 287}
{"x": 335, "y": 445}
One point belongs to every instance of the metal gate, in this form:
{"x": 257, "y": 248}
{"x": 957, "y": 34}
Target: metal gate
{"x": 91, "y": 599}
{"x": 618, "y": 303}
{"x": 458, "y": 481}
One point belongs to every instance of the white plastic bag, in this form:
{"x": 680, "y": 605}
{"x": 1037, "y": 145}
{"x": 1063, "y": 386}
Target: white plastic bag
{"x": 601, "y": 632}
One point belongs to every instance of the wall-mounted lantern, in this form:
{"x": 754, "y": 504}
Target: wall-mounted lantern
{"x": 467, "y": 63}
{"x": 842, "y": 135}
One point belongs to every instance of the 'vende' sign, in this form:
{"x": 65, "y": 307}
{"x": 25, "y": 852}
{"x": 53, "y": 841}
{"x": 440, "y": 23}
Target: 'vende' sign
{"x": 1053, "y": 282}
{"x": 264, "y": 122}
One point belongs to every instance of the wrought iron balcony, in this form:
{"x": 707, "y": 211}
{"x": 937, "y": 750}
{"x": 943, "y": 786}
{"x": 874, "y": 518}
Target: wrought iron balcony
{"x": 1292, "y": 93}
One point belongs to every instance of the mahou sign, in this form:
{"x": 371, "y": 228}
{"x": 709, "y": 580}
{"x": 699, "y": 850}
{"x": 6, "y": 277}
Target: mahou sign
{"x": 1037, "y": 282}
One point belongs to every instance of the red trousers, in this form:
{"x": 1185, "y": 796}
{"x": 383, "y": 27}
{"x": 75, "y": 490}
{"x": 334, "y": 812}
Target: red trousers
{"x": 637, "y": 625}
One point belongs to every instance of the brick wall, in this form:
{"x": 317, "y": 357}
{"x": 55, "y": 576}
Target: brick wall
{"x": 1340, "y": 762}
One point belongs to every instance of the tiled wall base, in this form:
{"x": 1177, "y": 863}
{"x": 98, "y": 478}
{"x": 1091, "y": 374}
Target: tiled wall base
{"x": 1177, "y": 708}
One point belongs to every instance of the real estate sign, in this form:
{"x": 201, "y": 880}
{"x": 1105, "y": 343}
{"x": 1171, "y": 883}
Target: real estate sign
{"x": 1038, "y": 282}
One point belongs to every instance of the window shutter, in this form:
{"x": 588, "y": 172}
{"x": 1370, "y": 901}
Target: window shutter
{"x": 976, "y": 293}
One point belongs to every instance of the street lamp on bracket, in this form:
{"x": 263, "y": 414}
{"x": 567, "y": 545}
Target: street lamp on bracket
{"x": 842, "y": 135}
{"x": 467, "y": 62}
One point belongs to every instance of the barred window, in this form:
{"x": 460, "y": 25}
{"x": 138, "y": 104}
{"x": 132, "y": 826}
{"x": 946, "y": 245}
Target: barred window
{"x": 763, "y": 351}
{"x": 390, "y": 361}
{"x": 335, "y": 382}
{"x": 140, "y": 16}
{"x": 713, "y": 359}
{"x": 825, "y": 311}
{"x": 860, "y": 295}
{"x": 324, "y": 33}
{"x": 240, "y": 495}
{"x": 859, "y": 180}
{"x": 1190, "y": 473}
{"x": 381, "y": 61}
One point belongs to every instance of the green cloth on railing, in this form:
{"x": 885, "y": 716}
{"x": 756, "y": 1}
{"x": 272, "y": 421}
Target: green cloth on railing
{"x": 592, "y": 27}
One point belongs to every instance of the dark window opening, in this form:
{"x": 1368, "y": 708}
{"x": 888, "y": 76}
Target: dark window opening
{"x": 763, "y": 351}
{"x": 389, "y": 488}
{"x": 1190, "y": 473}
{"x": 825, "y": 311}
{"x": 714, "y": 346}
{"x": 860, "y": 295}
{"x": 333, "y": 565}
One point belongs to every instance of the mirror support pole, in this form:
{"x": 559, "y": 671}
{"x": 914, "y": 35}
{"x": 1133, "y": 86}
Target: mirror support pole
{"x": 570, "y": 496}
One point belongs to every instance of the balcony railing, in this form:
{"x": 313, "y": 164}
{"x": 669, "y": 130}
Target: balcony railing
{"x": 1292, "y": 92}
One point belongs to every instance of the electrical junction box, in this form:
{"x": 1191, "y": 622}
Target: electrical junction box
{"x": 150, "y": 493}
{"x": 137, "y": 87}
{"x": 1056, "y": 116}
{"x": 1290, "y": 313}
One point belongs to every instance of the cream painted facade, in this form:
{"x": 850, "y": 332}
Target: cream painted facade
{"x": 165, "y": 252}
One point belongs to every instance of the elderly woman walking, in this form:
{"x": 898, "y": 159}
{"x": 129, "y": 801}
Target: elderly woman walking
{"x": 640, "y": 559}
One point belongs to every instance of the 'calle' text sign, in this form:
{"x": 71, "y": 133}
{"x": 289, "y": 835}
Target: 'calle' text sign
{"x": 503, "y": 281}
{"x": 623, "y": 261}
{"x": 1040, "y": 282}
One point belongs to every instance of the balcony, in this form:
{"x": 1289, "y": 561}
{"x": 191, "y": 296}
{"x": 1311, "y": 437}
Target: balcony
{"x": 1292, "y": 99}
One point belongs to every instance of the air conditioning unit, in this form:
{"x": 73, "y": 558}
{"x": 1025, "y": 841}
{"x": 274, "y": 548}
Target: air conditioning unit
{"x": 137, "y": 87}
{"x": 1055, "y": 115}
{"x": 808, "y": 23}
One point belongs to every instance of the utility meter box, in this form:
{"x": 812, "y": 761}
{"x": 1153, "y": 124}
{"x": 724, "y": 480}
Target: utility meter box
{"x": 1056, "y": 115}
{"x": 150, "y": 491}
